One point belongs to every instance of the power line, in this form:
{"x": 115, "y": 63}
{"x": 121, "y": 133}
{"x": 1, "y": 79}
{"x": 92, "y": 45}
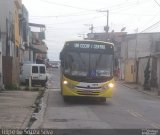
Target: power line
{"x": 157, "y": 3}
{"x": 77, "y": 15}
{"x": 71, "y": 15}
{"x": 151, "y": 27}
{"x": 152, "y": 19}
{"x": 129, "y": 14}
{"x": 117, "y": 8}
{"x": 67, "y": 15}
{"x": 77, "y": 21}
{"x": 154, "y": 28}
{"x": 53, "y": 28}
{"x": 122, "y": 7}
{"x": 125, "y": 7}
{"x": 60, "y": 4}
{"x": 65, "y": 5}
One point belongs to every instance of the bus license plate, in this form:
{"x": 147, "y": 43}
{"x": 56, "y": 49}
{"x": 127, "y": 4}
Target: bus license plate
{"x": 35, "y": 77}
{"x": 87, "y": 92}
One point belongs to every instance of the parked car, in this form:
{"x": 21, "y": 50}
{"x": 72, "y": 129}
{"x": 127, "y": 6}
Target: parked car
{"x": 37, "y": 72}
{"x": 55, "y": 65}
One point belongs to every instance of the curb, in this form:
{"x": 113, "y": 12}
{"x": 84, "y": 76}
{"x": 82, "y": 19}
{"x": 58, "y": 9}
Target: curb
{"x": 39, "y": 115}
{"x": 142, "y": 91}
{"x": 29, "y": 115}
{"x": 28, "y": 121}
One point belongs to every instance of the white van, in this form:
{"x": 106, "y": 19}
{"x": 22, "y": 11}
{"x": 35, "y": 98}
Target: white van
{"x": 37, "y": 72}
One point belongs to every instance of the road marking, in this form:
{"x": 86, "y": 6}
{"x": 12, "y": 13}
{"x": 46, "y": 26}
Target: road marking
{"x": 155, "y": 125}
{"x": 139, "y": 116}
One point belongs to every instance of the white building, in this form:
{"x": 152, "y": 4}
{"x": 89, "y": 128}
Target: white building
{"x": 136, "y": 49}
{"x": 1, "y": 73}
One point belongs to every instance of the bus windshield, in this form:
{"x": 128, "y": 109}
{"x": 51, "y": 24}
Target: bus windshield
{"x": 83, "y": 64}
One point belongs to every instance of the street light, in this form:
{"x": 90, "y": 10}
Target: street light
{"x": 106, "y": 28}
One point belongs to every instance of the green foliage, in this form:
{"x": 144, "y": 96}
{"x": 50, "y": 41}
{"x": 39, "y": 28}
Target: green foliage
{"x": 26, "y": 88}
{"x": 12, "y": 87}
{"x": 146, "y": 84}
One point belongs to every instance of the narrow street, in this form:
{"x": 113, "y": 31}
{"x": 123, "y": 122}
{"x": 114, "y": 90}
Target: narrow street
{"x": 128, "y": 109}
{"x": 92, "y": 42}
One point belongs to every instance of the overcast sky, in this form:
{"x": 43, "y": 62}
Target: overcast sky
{"x": 70, "y": 19}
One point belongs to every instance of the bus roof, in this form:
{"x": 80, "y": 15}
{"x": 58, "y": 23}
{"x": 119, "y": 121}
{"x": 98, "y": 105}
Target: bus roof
{"x": 89, "y": 41}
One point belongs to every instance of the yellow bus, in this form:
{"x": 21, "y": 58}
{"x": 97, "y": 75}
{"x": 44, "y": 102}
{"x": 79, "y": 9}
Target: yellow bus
{"x": 87, "y": 69}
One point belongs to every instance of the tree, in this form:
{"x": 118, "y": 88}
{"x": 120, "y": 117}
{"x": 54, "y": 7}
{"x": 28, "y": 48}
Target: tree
{"x": 146, "y": 84}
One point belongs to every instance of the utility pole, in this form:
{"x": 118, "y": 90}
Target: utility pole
{"x": 136, "y": 62}
{"x": 91, "y": 27}
{"x": 106, "y": 28}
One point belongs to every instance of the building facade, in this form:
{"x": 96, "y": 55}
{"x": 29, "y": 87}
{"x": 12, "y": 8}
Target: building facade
{"x": 37, "y": 45}
{"x": 24, "y": 33}
{"x": 1, "y": 73}
{"x": 139, "y": 51}
{"x": 18, "y": 44}
{"x": 9, "y": 23}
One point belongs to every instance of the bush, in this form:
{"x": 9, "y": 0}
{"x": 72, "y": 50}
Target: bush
{"x": 12, "y": 87}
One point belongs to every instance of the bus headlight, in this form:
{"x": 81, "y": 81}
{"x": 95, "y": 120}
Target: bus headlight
{"x": 70, "y": 85}
{"x": 65, "y": 82}
{"x": 110, "y": 85}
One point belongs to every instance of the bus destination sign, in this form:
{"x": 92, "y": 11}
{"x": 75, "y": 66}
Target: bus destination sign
{"x": 87, "y": 46}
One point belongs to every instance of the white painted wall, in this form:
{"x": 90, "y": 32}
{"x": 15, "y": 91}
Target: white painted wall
{"x": 141, "y": 68}
{"x": 1, "y": 75}
{"x": 136, "y": 46}
{"x": 158, "y": 72}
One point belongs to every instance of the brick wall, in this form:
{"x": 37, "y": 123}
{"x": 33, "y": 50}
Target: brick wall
{"x": 16, "y": 71}
{"x": 11, "y": 70}
{"x": 7, "y": 70}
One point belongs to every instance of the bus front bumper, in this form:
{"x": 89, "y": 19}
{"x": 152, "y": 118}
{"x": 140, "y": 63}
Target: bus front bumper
{"x": 89, "y": 93}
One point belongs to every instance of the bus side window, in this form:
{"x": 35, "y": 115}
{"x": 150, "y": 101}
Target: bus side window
{"x": 62, "y": 59}
{"x": 68, "y": 61}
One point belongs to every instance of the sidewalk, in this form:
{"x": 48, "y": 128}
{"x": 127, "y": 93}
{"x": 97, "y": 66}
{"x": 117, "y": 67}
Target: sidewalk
{"x": 138, "y": 88}
{"x": 16, "y": 108}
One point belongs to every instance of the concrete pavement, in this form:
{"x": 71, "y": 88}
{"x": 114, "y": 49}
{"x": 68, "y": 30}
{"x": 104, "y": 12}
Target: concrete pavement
{"x": 128, "y": 109}
{"x": 152, "y": 92}
{"x": 16, "y": 108}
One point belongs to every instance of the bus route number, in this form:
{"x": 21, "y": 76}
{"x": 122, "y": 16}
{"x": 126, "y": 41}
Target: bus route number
{"x": 87, "y": 46}
{"x": 99, "y": 47}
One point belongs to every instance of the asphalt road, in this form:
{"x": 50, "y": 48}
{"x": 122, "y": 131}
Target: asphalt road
{"x": 128, "y": 109}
